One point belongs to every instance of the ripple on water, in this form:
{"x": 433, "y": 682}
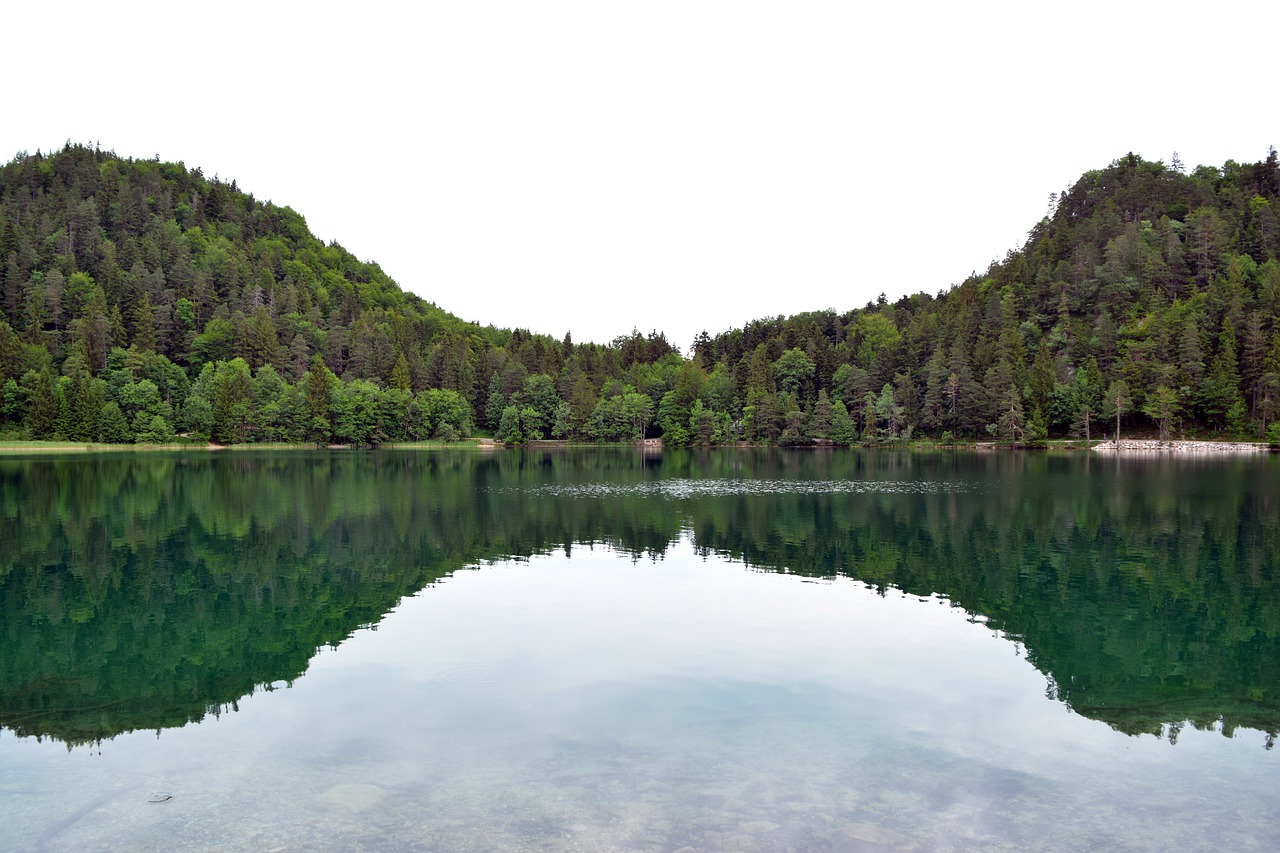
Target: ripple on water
{"x": 700, "y": 488}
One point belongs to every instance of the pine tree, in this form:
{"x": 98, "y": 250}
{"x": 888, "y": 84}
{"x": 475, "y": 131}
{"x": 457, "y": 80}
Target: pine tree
{"x": 319, "y": 382}
{"x": 42, "y": 404}
{"x": 1086, "y": 397}
{"x": 1220, "y": 393}
{"x": 843, "y": 429}
{"x": 1162, "y": 407}
{"x": 496, "y": 403}
{"x": 1011, "y": 422}
{"x": 1117, "y": 402}
{"x": 1043, "y": 377}
{"x": 144, "y": 328}
{"x": 820, "y": 417}
{"x": 115, "y": 429}
{"x": 400, "y": 374}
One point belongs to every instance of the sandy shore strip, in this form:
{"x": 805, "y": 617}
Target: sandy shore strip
{"x": 1134, "y": 445}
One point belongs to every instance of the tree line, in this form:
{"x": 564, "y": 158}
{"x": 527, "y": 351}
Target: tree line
{"x": 141, "y": 299}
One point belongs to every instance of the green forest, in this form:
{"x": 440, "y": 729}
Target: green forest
{"x": 141, "y": 301}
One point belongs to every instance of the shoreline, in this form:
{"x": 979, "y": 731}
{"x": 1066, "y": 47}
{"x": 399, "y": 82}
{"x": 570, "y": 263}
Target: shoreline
{"x": 1131, "y": 446}
{"x": 1151, "y": 445}
{"x": 43, "y": 448}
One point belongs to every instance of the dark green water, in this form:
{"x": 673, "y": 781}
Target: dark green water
{"x": 600, "y": 650}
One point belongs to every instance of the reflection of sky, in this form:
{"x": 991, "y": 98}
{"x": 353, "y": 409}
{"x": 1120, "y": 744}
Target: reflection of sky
{"x": 550, "y": 631}
{"x": 609, "y": 700}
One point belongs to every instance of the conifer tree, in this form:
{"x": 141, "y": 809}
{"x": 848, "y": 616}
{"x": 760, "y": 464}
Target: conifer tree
{"x": 1117, "y": 402}
{"x": 319, "y": 382}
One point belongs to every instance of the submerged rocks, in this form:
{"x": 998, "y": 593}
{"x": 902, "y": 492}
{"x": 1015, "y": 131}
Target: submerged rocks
{"x": 353, "y": 796}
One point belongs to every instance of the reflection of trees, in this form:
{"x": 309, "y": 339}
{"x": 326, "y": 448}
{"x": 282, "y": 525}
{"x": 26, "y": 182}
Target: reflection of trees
{"x": 146, "y": 592}
{"x": 1146, "y": 593}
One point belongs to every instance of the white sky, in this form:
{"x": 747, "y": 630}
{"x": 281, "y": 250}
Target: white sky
{"x": 597, "y": 166}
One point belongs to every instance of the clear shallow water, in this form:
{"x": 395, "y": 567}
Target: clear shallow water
{"x": 664, "y": 687}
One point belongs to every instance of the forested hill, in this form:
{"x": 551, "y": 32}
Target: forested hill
{"x": 1146, "y": 289}
{"x": 140, "y": 299}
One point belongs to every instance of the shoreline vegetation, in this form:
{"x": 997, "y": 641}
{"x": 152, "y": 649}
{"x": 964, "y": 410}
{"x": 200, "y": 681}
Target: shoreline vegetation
{"x": 18, "y": 448}
{"x": 142, "y": 302}
{"x": 1127, "y": 446}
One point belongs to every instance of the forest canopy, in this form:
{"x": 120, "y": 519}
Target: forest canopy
{"x": 140, "y": 300}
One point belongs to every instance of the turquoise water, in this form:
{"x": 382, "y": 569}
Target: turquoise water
{"x": 606, "y": 651}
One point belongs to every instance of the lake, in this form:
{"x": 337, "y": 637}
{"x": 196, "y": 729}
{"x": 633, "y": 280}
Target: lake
{"x": 618, "y": 650}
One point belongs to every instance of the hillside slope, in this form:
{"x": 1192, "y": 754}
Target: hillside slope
{"x": 141, "y": 283}
{"x": 1147, "y": 289}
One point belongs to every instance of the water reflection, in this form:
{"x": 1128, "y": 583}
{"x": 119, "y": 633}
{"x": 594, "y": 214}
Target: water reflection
{"x": 147, "y": 592}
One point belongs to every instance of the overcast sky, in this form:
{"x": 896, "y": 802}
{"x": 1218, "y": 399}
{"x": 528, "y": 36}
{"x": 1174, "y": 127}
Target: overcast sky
{"x": 595, "y": 167}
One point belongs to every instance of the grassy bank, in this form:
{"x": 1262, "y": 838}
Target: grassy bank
{"x": 23, "y": 448}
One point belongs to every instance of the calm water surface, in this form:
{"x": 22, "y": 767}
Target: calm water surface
{"x": 600, "y": 650}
